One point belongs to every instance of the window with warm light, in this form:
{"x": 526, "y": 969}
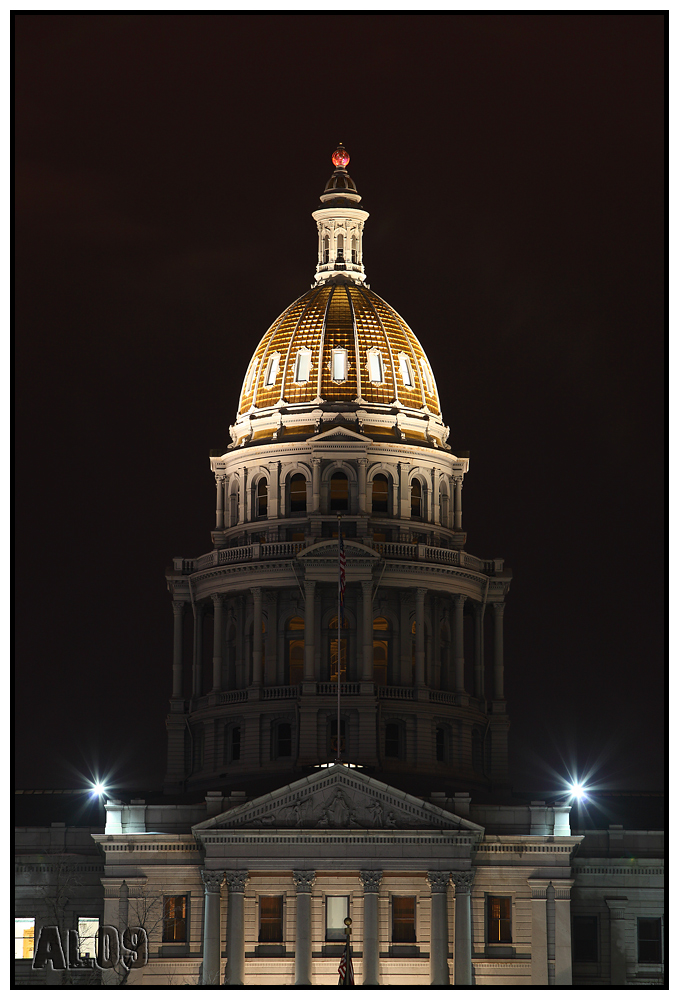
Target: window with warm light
{"x": 336, "y": 912}
{"x": 403, "y": 919}
{"x": 380, "y": 494}
{"x": 262, "y": 498}
{"x": 339, "y": 492}
{"x": 499, "y": 919}
{"x": 174, "y": 919}
{"x": 297, "y": 493}
{"x": 24, "y": 937}
{"x": 416, "y": 498}
{"x": 295, "y": 641}
{"x": 380, "y": 650}
{"x": 270, "y": 918}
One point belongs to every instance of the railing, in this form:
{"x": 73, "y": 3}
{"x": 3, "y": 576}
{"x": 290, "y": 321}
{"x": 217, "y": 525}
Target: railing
{"x": 397, "y": 693}
{"x": 443, "y": 697}
{"x": 330, "y": 687}
{"x": 288, "y": 691}
{"x": 230, "y": 697}
{"x": 396, "y": 550}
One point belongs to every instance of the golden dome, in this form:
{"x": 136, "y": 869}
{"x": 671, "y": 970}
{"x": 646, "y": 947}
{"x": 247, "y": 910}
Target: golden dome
{"x": 339, "y": 343}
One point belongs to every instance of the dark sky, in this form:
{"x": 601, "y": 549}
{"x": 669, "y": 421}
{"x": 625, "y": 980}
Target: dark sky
{"x": 166, "y": 169}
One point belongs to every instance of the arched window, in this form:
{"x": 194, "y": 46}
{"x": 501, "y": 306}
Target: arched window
{"x": 406, "y": 370}
{"x": 295, "y": 644}
{"x": 339, "y": 364}
{"x": 380, "y": 494}
{"x": 333, "y": 649}
{"x": 297, "y": 493}
{"x": 354, "y": 250}
{"x": 262, "y": 498}
{"x": 380, "y": 650}
{"x": 281, "y": 740}
{"x": 326, "y": 249}
{"x": 393, "y": 740}
{"x": 416, "y": 498}
{"x": 302, "y": 365}
{"x": 339, "y": 492}
{"x": 272, "y": 367}
{"x": 477, "y": 750}
{"x": 340, "y": 246}
{"x": 375, "y": 366}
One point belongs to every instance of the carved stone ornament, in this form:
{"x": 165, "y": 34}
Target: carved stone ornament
{"x": 438, "y": 881}
{"x": 371, "y": 880}
{"x": 212, "y": 880}
{"x": 304, "y": 880}
{"x": 236, "y": 880}
{"x": 178, "y": 607}
{"x": 462, "y": 881}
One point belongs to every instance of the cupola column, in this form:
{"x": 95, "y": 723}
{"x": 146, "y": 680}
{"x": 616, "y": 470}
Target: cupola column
{"x": 218, "y": 602}
{"x": 257, "y": 637}
{"x": 458, "y": 503}
{"x": 479, "y": 686}
{"x": 436, "y": 503}
{"x": 499, "y": 662}
{"x": 459, "y": 643}
{"x": 177, "y": 654}
{"x": 220, "y": 501}
{"x": 198, "y": 615}
{"x": 315, "y": 484}
{"x": 362, "y": 475}
{"x": 309, "y": 633}
{"x": 420, "y": 594}
{"x": 243, "y": 497}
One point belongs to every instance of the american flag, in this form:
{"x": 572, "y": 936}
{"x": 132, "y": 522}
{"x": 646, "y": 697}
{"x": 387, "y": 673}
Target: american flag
{"x": 346, "y": 968}
{"x": 342, "y": 569}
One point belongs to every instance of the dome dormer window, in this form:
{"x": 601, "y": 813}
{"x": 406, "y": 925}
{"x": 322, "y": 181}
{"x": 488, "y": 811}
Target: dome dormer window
{"x": 302, "y": 365}
{"x": 339, "y": 364}
{"x": 426, "y": 374}
{"x": 406, "y": 369}
{"x": 375, "y": 366}
{"x": 272, "y": 367}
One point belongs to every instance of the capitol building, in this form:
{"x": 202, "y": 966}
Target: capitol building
{"x": 330, "y": 762}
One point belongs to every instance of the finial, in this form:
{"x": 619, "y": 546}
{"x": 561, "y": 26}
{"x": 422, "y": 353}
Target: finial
{"x": 340, "y": 157}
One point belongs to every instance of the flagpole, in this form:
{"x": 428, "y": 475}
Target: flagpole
{"x": 338, "y": 751}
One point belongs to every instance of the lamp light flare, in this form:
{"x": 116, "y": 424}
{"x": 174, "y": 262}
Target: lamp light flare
{"x": 98, "y": 789}
{"x": 578, "y": 790}
{"x": 340, "y": 157}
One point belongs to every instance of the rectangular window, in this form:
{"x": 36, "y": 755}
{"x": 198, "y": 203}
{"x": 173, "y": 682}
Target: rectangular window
{"x": 174, "y": 918}
{"x": 270, "y": 918}
{"x": 375, "y": 368}
{"x": 235, "y": 743}
{"x": 648, "y": 941}
{"x": 24, "y": 933}
{"x": 88, "y": 928}
{"x": 499, "y": 919}
{"x": 336, "y": 911}
{"x": 585, "y": 939}
{"x": 403, "y": 919}
{"x": 272, "y": 369}
{"x": 303, "y": 365}
{"x": 339, "y": 364}
{"x": 392, "y": 740}
{"x": 406, "y": 369}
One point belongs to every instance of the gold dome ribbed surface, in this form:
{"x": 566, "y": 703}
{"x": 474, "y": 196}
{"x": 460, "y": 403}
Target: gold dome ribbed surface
{"x": 340, "y": 314}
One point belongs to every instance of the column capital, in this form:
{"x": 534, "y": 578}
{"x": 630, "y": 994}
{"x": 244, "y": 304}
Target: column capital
{"x": 421, "y": 591}
{"x": 256, "y": 591}
{"x": 178, "y": 607}
{"x": 371, "y": 880}
{"x": 538, "y": 887}
{"x": 218, "y": 599}
{"x": 459, "y": 600}
{"x": 562, "y": 888}
{"x": 212, "y": 880}
{"x": 438, "y": 881}
{"x": 499, "y": 607}
{"x": 236, "y": 880}
{"x": 463, "y": 882}
{"x": 315, "y": 460}
{"x": 304, "y": 880}
{"x": 617, "y": 907}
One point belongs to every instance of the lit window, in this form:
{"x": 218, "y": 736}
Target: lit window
{"x": 585, "y": 939}
{"x": 339, "y": 364}
{"x": 426, "y": 375}
{"x": 416, "y": 498}
{"x": 270, "y": 918}
{"x": 326, "y": 249}
{"x": 297, "y": 493}
{"x": 272, "y": 369}
{"x": 403, "y": 919}
{"x": 499, "y": 919}
{"x": 296, "y": 651}
{"x": 174, "y": 918}
{"x": 303, "y": 365}
{"x": 339, "y": 492}
{"x": 380, "y": 652}
{"x": 375, "y": 367}
{"x": 88, "y": 928}
{"x": 262, "y": 498}
{"x": 406, "y": 369}
{"x": 648, "y": 941}
{"x": 380, "y": 494}
{"x": 24, "y": 935}
{"x": 336, "y": 912}
{"x": 340, "y": 246}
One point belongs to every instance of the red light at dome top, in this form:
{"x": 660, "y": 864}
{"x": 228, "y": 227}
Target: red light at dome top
{"x": 340, "y": 157}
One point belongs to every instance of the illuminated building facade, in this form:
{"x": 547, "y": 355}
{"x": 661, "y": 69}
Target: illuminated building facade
{"x": 339, "y": 427}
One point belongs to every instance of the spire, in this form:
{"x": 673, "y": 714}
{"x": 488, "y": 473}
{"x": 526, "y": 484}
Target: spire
{"x": 340, "y": 218}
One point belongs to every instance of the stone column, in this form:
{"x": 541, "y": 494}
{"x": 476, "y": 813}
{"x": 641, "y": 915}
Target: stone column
{"x": 616, "y": 913}
{"x": 499, "y": 656}
{"x": 362, "y": 470}
{"x": 419, "y": 637}
{"x": 436, "y": 502}
{"x": 198, "y": 614}
{"x": 459, "y": 642}
{"x": 220, "y": 501}
{"x": 218, "y": 602}
{"x": 315, "y": 484}
{"x": 538, "y": 948}
{"x": 309, "y": 636}
{"x": 563, "y": 969}
{"x": 235, "y": 928}
{"x": 242, "y": 495}
{"x": 304, "y": 881}
{"x": 439, "y": 928}
{"x": 479, "y": 685}
{"x": 274, "y": 494}
{"x": 212, "y": 881}
{"x": 178, "y": 654}
{"x": 371, "y": 940}
{"x": 257, "y": 637}
{"x": 404, "y": 489}
{"x": 458, "y": 503}
{"x": 463, "y": 882}
{"x": 367, "y": 674}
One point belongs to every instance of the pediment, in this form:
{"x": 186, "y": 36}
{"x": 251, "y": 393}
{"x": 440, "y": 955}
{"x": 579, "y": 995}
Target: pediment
{"x": 338, "y": 798}
{"x": 340, "y": 434}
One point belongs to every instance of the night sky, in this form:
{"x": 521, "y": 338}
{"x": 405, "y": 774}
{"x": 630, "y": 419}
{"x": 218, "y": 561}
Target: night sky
{"x": 166, "y": 169}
